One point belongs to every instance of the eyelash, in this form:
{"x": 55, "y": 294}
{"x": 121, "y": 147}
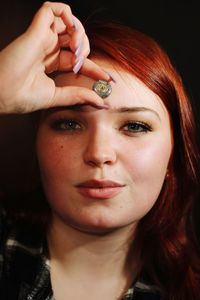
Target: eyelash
{"x": 70, "y": 125}
{"x": 137, "y": 127}
{"x": 57, "y": 124}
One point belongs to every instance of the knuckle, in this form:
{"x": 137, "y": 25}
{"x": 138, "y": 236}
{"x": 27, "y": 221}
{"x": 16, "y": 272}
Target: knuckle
{"x": 67, "y": 8}
{"x": 46, "y": 3}
{"x": 46, "y": 8}
{"x": 83, "y": 29}
{"x": 80, "y": 94}
{"x": 87, "y": 51}
{"x": 56, "y": 5}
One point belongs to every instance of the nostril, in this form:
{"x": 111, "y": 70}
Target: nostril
{"x": 99, "y": 151}
{"x": 100, "y": 160}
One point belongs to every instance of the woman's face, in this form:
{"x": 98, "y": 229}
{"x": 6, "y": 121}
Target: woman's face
{"x": 103, "y": 169}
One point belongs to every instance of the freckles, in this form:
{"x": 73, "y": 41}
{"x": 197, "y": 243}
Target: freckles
{"x": 52, "y": 154}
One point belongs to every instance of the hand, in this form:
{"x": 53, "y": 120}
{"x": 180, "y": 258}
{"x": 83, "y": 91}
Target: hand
{"x": 55, "y": 41}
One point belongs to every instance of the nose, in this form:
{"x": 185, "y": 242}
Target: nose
{"x": 100, "y": 149}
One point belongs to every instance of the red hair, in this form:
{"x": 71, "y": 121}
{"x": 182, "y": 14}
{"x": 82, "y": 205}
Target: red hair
{"x": 165, "y": 236}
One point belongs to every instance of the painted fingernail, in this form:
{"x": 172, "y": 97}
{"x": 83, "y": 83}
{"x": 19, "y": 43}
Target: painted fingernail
{"x": 111, "y": 77}
{"x": 71, "y": 30}
{"x": 78, "y": 50}
{"x": 75, "y": 24}
{"x": 78, "y": 65}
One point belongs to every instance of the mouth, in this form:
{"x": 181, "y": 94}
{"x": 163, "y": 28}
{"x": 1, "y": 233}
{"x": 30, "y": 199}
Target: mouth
{"x": 100, "y": 189}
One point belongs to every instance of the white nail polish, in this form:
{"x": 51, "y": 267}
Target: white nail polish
{"x": 75, "y": 24}
{"x": 78, "y": 65}
{"x": 111, "y": 76}
{"x": 78, "y": 50}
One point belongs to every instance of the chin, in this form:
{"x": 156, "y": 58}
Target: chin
{"x": 99, "y": 227}
{"x": 94, "y": 222}
{"x": 95, "y": 230}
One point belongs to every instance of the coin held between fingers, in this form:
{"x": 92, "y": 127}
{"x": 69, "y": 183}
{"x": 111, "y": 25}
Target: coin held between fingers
{"x": 102, "y": 88}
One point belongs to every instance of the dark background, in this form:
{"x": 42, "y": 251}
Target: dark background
{"x": 174, "y": 24}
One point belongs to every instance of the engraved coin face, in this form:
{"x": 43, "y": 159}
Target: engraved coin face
{"x": 102, "y": 88}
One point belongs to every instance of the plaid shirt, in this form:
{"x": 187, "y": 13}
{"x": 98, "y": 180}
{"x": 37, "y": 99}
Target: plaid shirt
{"x": 24, "y": 267}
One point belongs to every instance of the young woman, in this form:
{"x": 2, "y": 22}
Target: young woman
{"x": 119, "y": 174}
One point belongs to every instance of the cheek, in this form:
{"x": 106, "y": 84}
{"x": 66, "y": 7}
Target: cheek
{"x": 148, "y": 162}
{"x": 54, "y": 157}
{"x": 146, "y": 167}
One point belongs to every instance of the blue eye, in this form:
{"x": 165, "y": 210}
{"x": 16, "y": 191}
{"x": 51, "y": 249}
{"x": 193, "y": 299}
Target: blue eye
{"x": 136, "y": 127}
{"x": 64, "y": 124}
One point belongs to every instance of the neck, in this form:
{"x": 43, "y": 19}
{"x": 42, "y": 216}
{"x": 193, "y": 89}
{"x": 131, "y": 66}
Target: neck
{"x": 104, "y": 254}
{"x": 98, "y": 262}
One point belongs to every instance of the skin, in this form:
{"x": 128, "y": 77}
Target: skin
{"x": 54, "y": 41}
{"x": 102, "y": 146}
{"x": 89, "y": 238}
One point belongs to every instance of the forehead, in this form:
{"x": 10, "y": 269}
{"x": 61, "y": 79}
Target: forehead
{"x": 128, "y": 90}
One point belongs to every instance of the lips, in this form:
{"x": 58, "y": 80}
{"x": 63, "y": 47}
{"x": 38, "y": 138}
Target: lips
{"x": 103, "y": 189}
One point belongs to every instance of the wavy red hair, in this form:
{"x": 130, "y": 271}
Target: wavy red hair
{"x": 165, "y": 236}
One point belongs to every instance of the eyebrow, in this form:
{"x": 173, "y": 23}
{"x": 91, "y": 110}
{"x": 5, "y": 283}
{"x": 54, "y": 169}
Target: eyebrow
{"x": 134, "y": 109}
{"x": 123, "y": 109}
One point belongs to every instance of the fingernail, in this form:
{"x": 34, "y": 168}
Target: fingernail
{"x": 78, "y": 50}
{"x": 78, "y": 65}
{"x": 99, "y": 106}
{"x": 111, "y": 77}
{"x": 75, "y": 24}
{"x": 73, "y": 28}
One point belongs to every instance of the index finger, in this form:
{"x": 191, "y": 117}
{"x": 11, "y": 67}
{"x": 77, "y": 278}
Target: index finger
{"x": 91, "y": 69}
{"x": 63, "y": 11}
{"x": 45, "y": 16}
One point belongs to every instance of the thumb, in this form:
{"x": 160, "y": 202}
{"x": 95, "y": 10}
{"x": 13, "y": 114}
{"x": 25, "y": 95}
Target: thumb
{"x": 72, "y": 95}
